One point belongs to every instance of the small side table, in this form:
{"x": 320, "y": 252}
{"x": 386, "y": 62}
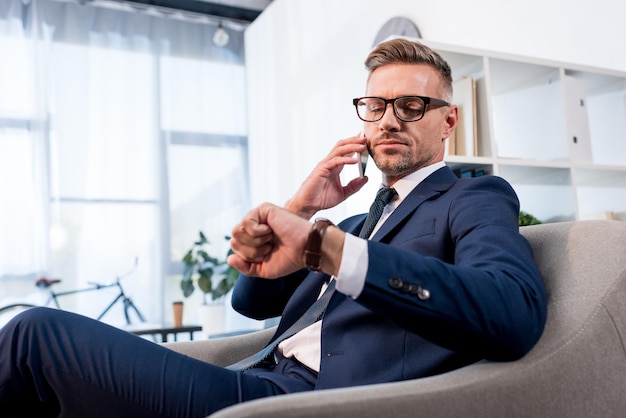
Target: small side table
{"x": 164, "y": 331}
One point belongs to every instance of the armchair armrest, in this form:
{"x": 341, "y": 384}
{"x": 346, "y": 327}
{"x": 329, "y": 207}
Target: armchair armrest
{"x": 224, "y": 351}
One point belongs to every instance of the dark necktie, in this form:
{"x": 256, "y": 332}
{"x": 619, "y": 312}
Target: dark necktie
{"x": 383, "y": 197}
{"x": 316, "y": 310}
{"x": 311, "y": 316}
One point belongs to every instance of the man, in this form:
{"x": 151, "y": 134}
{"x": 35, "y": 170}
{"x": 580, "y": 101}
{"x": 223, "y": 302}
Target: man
{"x": 445, "y": 279}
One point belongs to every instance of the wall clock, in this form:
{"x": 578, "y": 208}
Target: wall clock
{"x": 398, "y": 26}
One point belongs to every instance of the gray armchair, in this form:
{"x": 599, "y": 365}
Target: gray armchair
{"x": 578, "y": 368}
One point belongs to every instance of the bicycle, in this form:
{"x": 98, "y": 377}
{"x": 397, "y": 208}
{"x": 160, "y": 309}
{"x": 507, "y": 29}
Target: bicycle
{"x": 9, "y": 311}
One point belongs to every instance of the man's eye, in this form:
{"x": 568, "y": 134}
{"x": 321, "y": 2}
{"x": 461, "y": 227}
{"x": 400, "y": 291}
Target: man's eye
{"x": 412, "y": 105}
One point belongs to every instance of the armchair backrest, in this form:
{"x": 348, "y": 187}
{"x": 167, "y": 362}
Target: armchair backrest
{"x": 583, "y": 265}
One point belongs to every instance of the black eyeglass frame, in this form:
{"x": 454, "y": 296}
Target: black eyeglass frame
{"x": 427, "y": 101}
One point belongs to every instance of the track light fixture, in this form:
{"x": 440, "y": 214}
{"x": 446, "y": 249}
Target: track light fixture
{"x": 220, "y": 37}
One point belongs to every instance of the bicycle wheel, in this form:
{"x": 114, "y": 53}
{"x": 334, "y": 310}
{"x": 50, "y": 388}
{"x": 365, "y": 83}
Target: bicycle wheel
{"x": 9, "y": 311}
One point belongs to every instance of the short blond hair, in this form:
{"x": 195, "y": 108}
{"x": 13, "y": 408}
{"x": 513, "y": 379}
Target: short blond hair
{"x": 404, "y": 51}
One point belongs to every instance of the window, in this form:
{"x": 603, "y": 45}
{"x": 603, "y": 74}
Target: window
{"x": 121, "y": 135}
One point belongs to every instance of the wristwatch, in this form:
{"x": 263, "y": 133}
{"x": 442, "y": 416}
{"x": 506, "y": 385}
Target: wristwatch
{"x": 313, "y": 247}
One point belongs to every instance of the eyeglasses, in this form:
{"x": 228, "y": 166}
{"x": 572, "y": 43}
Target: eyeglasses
{"x": 406, "y": 108}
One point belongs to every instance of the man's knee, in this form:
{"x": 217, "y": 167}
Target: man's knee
{"x": 37, "y": 315}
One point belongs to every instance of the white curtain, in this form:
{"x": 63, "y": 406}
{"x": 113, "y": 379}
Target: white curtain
{"x": 22, "y": 143}
{"x": 118, "y": 128}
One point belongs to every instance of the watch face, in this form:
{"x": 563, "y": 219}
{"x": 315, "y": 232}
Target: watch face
{"x": 398, "y": 26}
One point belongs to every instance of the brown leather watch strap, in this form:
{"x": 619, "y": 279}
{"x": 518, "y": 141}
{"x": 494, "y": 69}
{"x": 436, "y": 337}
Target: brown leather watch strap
{"x": 313, "y": 247}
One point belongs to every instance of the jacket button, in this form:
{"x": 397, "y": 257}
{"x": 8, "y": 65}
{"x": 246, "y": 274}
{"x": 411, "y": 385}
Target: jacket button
{"x": 423, "y": 294}
{"x": 410, "y": 288}
{"x": 396, "y": 283}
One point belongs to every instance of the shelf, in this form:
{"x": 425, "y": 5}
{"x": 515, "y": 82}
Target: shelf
{"x": 464, "y": 65}
{"x": 607, "y": 124}
{"x": 464, "y": 159}
{"x": 555, "y": 131}
{"x": 611, "y": 177}
{"x": 545, "y": 192}
{"x": 530, "y": 162}
{"x": 528, "y": 112}
{"x": 601, "y": 194}
{"x": 536, "y": 175}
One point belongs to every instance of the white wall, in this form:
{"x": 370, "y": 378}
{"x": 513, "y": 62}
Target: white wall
{"x": 305, "y": 64}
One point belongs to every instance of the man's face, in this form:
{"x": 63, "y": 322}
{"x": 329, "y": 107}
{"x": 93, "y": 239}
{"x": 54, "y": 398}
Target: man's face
{"x": 400, "y": 148}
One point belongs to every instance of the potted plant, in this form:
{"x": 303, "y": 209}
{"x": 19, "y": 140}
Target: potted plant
{"x": 526, "y": 218}
{"x": 202, "y": 267}
{"x": 214, "y": 277}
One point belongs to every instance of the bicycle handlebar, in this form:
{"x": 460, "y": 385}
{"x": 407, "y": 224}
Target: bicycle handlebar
{"x": 131, "y": 271}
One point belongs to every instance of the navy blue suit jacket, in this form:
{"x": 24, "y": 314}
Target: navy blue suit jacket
{"x": 450, "y": 281}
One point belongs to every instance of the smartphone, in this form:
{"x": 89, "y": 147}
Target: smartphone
{"x": 363, "y": 159}
{"x": 363, "y": 162}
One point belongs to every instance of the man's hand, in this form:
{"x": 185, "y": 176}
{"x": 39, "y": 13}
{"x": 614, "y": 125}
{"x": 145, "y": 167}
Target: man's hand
{"x": 322, "y": 189}
{"x": 269, "y": 242}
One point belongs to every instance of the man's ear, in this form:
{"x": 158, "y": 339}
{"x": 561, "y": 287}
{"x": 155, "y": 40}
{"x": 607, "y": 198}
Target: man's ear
{"x": 450, "y": 121}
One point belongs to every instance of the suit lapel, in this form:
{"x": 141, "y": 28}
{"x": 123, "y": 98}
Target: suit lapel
{"x": 432, "y": 186}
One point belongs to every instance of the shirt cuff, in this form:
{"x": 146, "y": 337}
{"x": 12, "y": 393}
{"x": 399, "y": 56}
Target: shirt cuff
{"x": 353, "y": 268}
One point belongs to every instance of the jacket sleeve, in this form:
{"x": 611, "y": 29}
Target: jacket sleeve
{"x": 259, "y": 298}
{"x": 467, "y": 281}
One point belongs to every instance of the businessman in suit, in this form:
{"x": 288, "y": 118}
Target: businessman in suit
{"x": 444, "y": 280}
{"x": 435, "y": 278}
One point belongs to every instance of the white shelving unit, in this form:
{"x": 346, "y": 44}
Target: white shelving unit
{"x": 555, "y": 131}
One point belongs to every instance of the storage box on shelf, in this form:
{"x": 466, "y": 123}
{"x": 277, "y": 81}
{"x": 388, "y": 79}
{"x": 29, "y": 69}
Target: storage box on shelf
{"x": 555, "y": 131}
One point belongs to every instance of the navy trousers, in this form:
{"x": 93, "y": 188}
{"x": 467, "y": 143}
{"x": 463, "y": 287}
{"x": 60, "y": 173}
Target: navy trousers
{"x": 58, "y": 364}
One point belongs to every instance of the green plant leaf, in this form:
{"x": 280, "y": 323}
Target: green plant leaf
{"x": 202, "y": 240}
{"x": 204, "y": 283}
{"x": 187, "y": 287}
{"x": 206, "y": 258}
{"x": 206, "y": 271}
{"x": 221, "y": 289}
{"x": 188, "y": 272}
{"x": 203, "y": 255}
{"x": 232, "y": 274}
{"x": 526, "y": 218}
{"x": 188, "y": 258}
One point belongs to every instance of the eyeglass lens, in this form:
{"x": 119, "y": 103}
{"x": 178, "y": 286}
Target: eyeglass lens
{"x": 372, "y": 109}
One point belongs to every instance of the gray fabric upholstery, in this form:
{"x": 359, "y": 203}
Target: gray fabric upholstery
{"x": 224, "y": 351}
{"x": 578, "y": 368}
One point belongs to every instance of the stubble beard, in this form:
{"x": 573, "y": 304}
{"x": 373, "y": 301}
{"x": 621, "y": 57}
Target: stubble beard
{"x": 395, "y": 163}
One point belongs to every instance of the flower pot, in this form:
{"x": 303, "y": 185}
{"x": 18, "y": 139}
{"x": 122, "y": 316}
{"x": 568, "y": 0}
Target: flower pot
{"x": 212, "y": 318}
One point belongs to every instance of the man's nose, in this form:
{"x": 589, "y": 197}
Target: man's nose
{"x": 389, "y": 121}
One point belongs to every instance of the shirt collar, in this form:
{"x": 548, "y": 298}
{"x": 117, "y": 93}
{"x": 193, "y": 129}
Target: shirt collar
{"x": 406, "y": 184}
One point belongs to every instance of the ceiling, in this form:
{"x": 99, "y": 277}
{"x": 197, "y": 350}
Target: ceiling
{"x": 241, "y": 10}
{"x": 244, "y": 4}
